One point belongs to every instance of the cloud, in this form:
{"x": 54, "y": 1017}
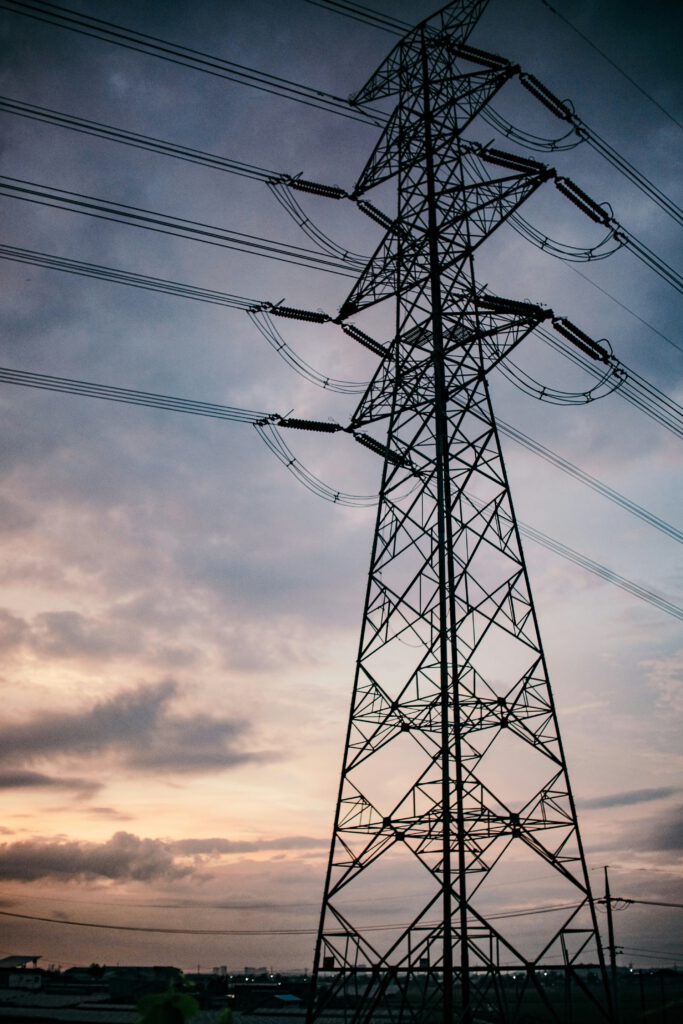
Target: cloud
{"x": 109, "y": 812}
{"x": 13, "y": 630}
{"x": 628, "y": 798}
{"x": 124, "y": 857}
{"x": 669, "y": 833}
{"x": 139, "y": 728}
{"x": 190, "y": 847}
{"x": 38, "y": 780}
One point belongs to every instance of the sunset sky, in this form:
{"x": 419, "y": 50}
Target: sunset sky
{"x": 179, "y": 617}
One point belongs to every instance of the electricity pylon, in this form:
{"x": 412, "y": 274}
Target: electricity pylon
{"x": 454, "y": 786}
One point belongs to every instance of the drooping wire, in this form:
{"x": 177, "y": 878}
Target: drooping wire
{"x": 266, "y": 425}
{"x": 261, "y": 318}
{"x": 582, "y": 133}
{"x": 359, "y": 12}
{"x": 536, "y": 142}
{"x": 617, "y": 234}
{"x": 636, "y": 389}
{"x": 272, "y": 437}
{"x": 607, "y": 246}
{"x": 608, "y": 383}
{"x": 290, "y": 204}
{"x": 179, "y": 227}
{"x": 175, "y": 53}
{"x": 215, "y": 162}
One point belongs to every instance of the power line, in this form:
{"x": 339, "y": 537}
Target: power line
{"x": 128, "y": 396}
{"x": 180, "y": 227}
{"x": 590, "y": 481}
{"x": 655, "y": 903}
{"x": 623, "y": 305}
{"x": 639, "y": 392}
{"x": 602, "y": 571}
{"x": 81, "y": 268}
{"x": 216, "y": 162}
{"x": 635, "y": 389}
{"x": 153, "y": 46}
{"x": 138, "y": 140}
{"x": 612, "y": 63}
{"x": 258, "y": 931}
{"x": 364, "y": 15}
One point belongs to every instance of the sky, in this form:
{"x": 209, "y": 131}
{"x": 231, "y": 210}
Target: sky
{"x": 179, "y": 617}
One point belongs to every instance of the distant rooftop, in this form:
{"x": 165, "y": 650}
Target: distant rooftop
{"x": 18, "y": 961}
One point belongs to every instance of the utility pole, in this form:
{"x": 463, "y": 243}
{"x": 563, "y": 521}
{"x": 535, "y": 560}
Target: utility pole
{"x": 454, "y": 788}
{"x": 612, "y": 948}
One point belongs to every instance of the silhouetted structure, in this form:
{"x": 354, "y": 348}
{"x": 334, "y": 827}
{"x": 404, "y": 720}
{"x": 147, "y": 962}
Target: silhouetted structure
{"x": 454, "y": 786}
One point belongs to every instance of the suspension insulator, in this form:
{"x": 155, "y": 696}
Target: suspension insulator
{"x": 318, "y": 425}
{"x": 584, "y": 202}
{"x": 364, "y": 339}
{"x": 513, "y": 162}
{"x": 546, "y": 97}
{"x": 375, "y": 214}
{"x": 329, "y": 191}
{"x": 311, "y": 315}
{"x": 525, "y": 309}
{"x": 488, "y": 60}
{"x": 581, "y": 340}
{"x": 378, "y": 448}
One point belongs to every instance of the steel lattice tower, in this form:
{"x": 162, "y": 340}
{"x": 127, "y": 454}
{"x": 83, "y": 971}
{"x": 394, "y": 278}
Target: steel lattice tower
{"x": 451, "y": 690}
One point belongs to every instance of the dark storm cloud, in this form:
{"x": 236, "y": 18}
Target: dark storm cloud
{"x": 38, "y": 780}
{"x": 216, "y": 846}
{"x": 139, "y": 728}
{"x": 628, "y": 798}
{"x": 124, "y": 857}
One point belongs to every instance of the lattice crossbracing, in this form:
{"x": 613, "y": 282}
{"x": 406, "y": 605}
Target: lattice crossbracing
{"x": 454, "y": 786}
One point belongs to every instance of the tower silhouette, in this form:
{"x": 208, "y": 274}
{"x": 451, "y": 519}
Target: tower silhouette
{"x": 454, "y": 789}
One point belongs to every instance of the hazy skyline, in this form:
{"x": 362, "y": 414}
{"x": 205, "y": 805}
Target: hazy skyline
{"x": 179, "y": 617}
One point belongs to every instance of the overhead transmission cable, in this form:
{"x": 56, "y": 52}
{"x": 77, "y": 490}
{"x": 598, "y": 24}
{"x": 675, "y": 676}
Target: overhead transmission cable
{"x": 590, "y": 481}
{"x": 180, "y": 227}
{"x": 578, "y": 127}
{"x": 365, "y": 15}
{"x": 628, "y": 309}
{"x": 276, "y": 180}
{"x": 136, "y": 139}
{"x": 635, "y": 389}
{"x": 153, "y": 46}
{"x": 262, "y": 421}
{"x": 612, "y": 63}
{"x": 502, "y": 915}
{"x": 638, "y": 391}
